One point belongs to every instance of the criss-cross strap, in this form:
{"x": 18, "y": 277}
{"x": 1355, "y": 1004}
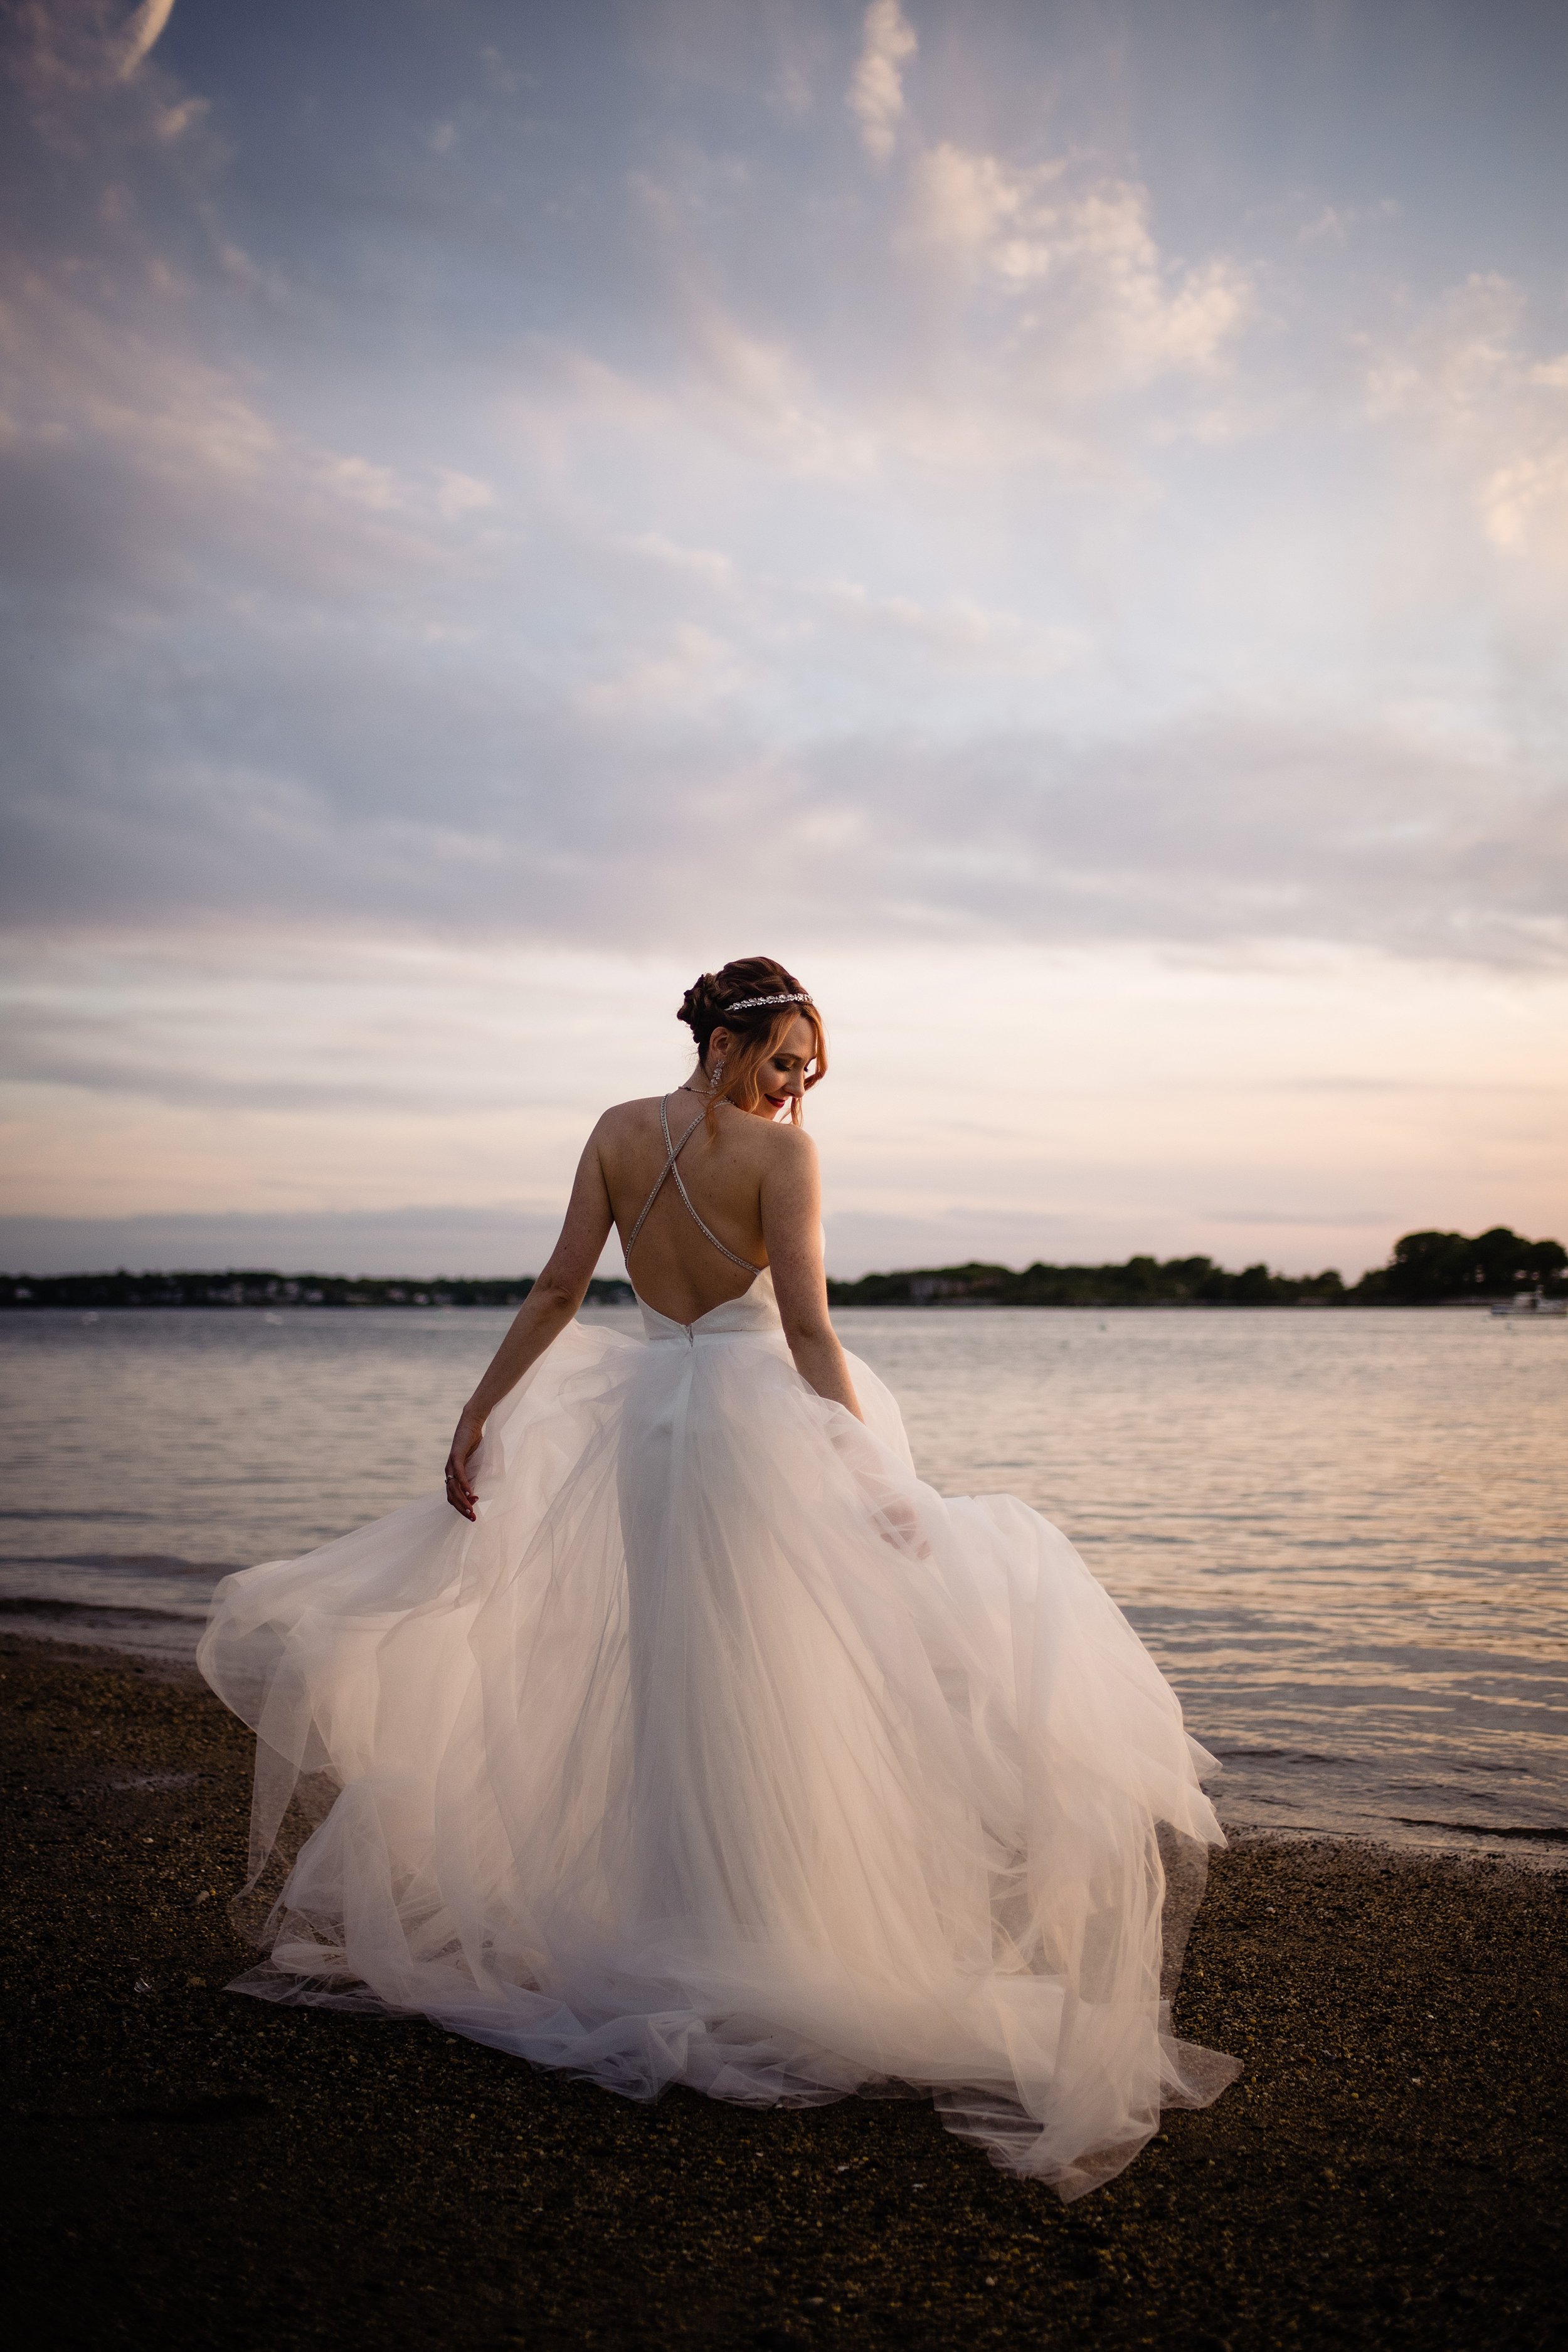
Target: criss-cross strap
{"x": 673, "y": 1152}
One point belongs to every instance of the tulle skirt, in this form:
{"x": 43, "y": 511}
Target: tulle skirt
{"x": 721, "y": 1750}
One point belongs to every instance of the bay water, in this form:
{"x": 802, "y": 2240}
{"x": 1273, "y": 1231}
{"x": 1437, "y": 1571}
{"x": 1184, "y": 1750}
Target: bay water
{"x": 1344, "y": 1535}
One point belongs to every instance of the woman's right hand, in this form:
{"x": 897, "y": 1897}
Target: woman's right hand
{"x": 459, "y": 1492}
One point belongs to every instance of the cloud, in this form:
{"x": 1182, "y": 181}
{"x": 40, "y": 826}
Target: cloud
{"x": 268, "y": 680}
{"x": 303, "y": 1077}
{"x": 423, "y": 1241}
{"x": 359, "y": 593}
{"x": 756, "y": 384}
{"x": 877, "y": 89}
{"x": 142, "y": 32}
{"x": 1092, "y": 305}
{"x": 1041, "y": 579}
{"x": 1335, "y": 225}
{"x": 708, "y": 564}
{"x": 767, "y": 390}
{"x": 1004, "y": 317}
{"x": 1218, "y": 832}
{"x": 688, "y": 672}
{"x": 395, "y": 791}
{"x": 1495, "y": 414}
{"x": 59, "y": 55}
{"x": 962, "y": 632}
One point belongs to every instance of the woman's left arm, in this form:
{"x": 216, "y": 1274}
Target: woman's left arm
{"x": 791, "y": 1231}
{"x": 545, "y": 1314}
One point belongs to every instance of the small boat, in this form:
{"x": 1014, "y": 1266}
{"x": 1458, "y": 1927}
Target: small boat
{"x": 1531, "y": 1303}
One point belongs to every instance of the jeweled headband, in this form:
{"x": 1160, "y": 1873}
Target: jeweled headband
{"x": 750, "y": 1004}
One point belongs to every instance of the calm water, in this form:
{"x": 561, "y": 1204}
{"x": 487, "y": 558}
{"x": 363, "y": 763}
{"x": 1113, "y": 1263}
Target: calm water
{"x": 1343, "y": 1535}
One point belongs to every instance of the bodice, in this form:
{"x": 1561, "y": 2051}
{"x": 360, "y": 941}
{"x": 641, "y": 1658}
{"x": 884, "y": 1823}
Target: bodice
{"x": 755, "y": 1313}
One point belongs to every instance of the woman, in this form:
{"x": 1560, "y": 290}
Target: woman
{"x": 691, "y": 1738}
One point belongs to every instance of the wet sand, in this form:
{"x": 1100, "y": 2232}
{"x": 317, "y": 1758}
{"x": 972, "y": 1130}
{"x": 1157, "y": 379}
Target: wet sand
{"x": 185, "y": 2167}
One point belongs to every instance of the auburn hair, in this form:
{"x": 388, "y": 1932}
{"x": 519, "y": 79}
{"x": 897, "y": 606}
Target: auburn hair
{"x": 757, "y": 1032}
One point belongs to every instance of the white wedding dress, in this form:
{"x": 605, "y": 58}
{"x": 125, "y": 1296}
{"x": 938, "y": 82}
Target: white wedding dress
{"x": 721, "y": 1750}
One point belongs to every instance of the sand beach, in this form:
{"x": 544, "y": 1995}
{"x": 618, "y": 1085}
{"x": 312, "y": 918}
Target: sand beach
{"x": 186, "y": 2167}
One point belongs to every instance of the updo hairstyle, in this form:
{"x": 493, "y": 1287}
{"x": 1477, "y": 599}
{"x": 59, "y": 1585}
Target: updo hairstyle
{"x": 757, "y": 1033}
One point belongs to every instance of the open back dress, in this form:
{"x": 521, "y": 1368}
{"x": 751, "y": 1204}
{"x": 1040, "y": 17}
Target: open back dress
{"x": 721, "y": 1750}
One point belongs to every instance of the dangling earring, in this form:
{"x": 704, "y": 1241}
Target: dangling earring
{"x": 718, "y": 1072}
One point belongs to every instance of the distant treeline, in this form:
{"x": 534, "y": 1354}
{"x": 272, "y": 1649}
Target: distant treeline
{"x": 1426, "y": 1269}
{"x": 260, "y": 1288}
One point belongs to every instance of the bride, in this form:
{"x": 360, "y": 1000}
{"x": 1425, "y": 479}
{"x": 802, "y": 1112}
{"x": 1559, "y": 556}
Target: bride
{"x": 691, "y": 1738}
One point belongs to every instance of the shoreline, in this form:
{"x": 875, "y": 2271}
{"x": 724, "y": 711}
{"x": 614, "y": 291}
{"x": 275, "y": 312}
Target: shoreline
{"x": 104, "y": 1631}
{"x": 288, "y": 1309}
{"x": 190, "y": 2167}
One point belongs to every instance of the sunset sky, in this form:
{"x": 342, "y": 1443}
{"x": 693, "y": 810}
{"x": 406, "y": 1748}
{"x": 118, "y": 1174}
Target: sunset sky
{"x": 1051, "y": 519}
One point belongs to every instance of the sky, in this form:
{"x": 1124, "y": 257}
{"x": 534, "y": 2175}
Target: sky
{"x": 1050, "y": 520}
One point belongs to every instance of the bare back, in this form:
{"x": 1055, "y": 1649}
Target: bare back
{"x": 749, "y": 1198}
{"x": 675, "y": 1266}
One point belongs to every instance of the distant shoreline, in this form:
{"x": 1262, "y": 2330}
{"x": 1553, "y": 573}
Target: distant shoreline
{"x": 1428, "y": 1268}
{"x": 860, "y": 1305}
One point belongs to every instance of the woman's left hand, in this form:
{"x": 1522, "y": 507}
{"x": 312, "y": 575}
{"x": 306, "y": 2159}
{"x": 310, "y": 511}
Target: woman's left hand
{"x": 898, "y": 1523}
{"x": 459, "y": 1492}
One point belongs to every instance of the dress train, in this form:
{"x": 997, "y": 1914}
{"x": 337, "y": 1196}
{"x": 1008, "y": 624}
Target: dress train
{"x": 721, "y": 1750}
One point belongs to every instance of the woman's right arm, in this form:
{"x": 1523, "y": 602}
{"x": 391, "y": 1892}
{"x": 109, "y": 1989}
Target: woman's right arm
{"x": 792, "y": 1230}
{"x": 545, "y": 1314}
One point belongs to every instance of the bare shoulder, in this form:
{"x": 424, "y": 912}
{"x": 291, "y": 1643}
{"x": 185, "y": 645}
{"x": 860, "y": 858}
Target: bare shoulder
{"x": 790, "y": 1150}
{"x": 626, "y": 1117}
{"x": 638, "y": 1107}
{"x": 788, "y": 1138}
